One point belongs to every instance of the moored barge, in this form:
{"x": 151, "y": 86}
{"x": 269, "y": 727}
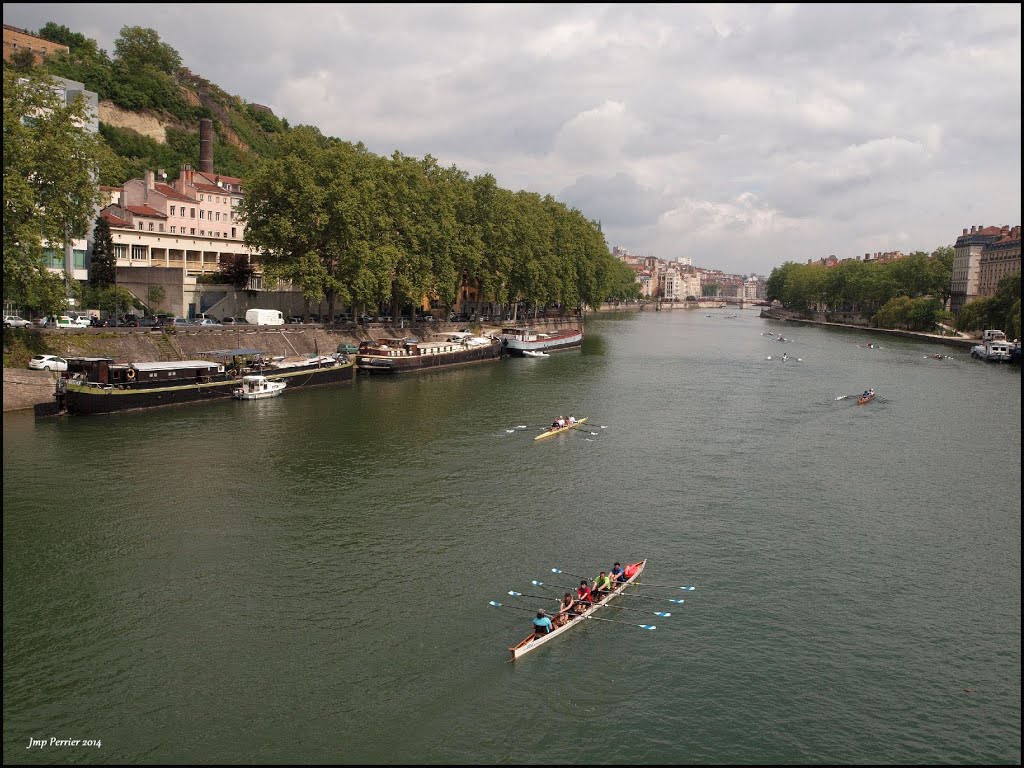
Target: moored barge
{"x": 517, "y": 341}
{"x": 97, "y": 385}
{"x": 406, "y": 355}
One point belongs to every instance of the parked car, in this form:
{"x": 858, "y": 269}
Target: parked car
{"x": 295, "y": 319}
{"x": 13, "y": 321}
{"x": 207, "y": 322}
{"x": 200, "y": 316}
{"x": 61, "y": 322}
{"x": 48, "y": 363}
{"x": 148, "y": 322}
{"x": 228, "y": 321}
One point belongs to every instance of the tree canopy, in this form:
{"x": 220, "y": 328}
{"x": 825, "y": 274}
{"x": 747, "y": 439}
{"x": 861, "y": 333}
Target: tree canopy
{"x": 345, "y": 224}
{"x": 51, "y": 163}
{"x": 909, "y": 292}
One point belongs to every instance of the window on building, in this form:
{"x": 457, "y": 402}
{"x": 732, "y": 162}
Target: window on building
{"x": 202, "y": 198}
{"x": 151, "y": 226}
{"x": 172, "y": 210}
{"x": 192, "y": 212}
{"x": 161, "y": 227}
{"x": 218, "y": 215}
{"x": 202, "y": 214}
{"x": 192, "y": 231}
{"x": 233, "y": 232}
{"x": 140, "y": 226}
{"x": 172, "y": 229}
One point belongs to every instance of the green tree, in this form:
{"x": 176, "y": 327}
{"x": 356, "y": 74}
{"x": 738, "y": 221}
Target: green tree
{"x": 141, "y": 48}
{"x": 23, "y": 59}
{"x": 102, "y": 263}
{"x": 236, "y": 270}
{"x": 51, "y": 163}
{"x": 155, "y": 296}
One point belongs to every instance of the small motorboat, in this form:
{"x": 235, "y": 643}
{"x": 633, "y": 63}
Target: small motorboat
{"x": 258, "y": 387}
{"x": 534, "y": 353}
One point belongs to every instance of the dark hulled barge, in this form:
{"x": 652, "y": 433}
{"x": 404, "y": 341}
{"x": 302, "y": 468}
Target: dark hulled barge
{"x": 99, "y": 385}
{"x": 404, "y": 355}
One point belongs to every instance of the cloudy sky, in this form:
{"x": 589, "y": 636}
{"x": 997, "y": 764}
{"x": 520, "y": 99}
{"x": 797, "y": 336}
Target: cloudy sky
{"x": 739, "y": 136}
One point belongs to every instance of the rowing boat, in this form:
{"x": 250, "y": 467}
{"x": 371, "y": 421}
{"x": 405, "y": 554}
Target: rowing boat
{"x": 533, "y": 642}
{"x": 566, "y": 428}
{"x": 865, "y": 399}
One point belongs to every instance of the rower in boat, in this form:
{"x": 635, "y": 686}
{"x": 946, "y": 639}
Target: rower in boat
{"x": 618, "y": 575}
{"x": 584, "y": 597}
{"x": 541, "y": 624}
{"x": 566, "y": 611}
{"x": 602, "y": 586}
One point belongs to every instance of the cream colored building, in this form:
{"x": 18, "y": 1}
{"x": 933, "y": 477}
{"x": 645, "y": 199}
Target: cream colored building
{"x": 965, "y": 282}
{"x": 999, "y": 259}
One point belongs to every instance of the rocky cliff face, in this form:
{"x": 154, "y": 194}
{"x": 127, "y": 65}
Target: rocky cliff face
{"x": 140, "y": 122}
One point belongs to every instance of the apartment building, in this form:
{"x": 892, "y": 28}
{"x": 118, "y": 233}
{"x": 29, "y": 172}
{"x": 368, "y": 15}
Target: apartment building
{"x": 999, "y": 259}
{"x": 16, "y": 39}
{"x": 965, "y": 282}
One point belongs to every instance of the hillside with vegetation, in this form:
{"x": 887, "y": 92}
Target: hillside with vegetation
{"x": 374, "y": 232}
{"x": 146, "y": 77}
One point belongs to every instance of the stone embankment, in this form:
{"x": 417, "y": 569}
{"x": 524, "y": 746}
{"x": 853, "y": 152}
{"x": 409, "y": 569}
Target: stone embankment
{"x": 961, "y": 341}
{"x": 24, "y": 388}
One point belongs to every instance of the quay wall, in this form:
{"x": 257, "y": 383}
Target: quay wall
{"x": 23, "y": 388}
{"x": 960, "y": 342}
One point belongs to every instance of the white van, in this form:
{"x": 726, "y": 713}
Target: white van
{"x": 264, "y": 317}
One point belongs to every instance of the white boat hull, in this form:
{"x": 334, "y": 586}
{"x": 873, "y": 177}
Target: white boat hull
{"x": 530, "y": 645}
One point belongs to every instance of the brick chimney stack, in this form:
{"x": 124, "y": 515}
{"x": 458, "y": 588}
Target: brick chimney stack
{"x": 206, "y": 145}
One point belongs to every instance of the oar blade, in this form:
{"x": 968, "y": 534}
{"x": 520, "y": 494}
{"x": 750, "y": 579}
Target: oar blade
{"x": 515, "y": 594}
{"x": 537, "y": 583}
{"x": 677, "y": 602}
{"x": 646, "y": 626}
{"x": 556, "y": 570}
{"x": 495, "y": 604}
{"x": 662, "y": 614}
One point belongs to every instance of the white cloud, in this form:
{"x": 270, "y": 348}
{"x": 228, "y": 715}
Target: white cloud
{"x": 746, "y": 134}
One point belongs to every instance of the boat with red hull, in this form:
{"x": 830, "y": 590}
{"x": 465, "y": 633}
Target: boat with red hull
{"x": 518, "y": 341}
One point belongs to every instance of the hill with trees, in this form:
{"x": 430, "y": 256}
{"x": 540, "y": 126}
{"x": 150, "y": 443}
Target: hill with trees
{"x": 326, "y": 215}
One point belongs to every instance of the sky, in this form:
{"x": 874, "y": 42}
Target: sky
{"x": 739, "y": 136}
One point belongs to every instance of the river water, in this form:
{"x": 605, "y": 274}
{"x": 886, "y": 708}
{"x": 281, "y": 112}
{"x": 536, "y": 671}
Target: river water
{"x": 306, "y": 579}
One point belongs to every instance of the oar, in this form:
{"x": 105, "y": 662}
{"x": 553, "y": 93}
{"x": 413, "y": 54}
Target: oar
{"x": 611, "y": 621}
{"x": 662, "y": 614}
{"x": 621, "y": 594}
{"x": 645, "y": 584}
